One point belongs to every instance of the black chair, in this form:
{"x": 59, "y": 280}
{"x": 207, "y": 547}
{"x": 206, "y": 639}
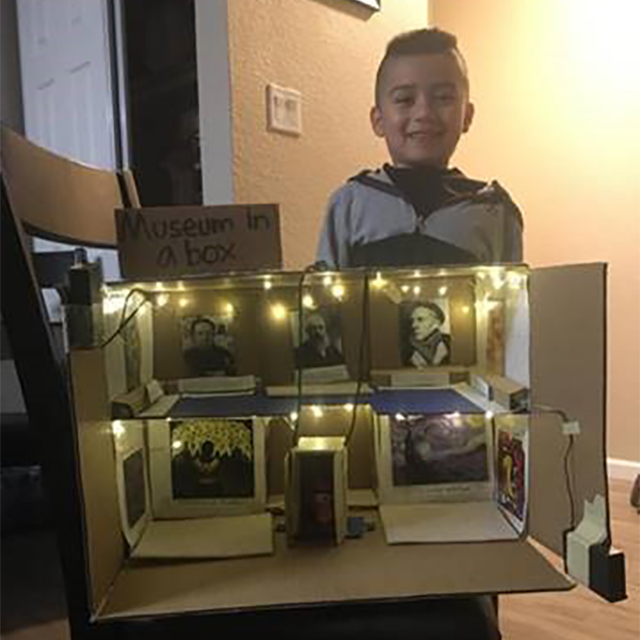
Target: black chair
{"x": 37, "y": 203}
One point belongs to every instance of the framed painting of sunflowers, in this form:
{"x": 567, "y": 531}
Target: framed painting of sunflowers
{"x": 207, "y": 466}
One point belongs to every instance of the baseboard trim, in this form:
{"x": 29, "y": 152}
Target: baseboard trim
{"x": 623, "y": 469}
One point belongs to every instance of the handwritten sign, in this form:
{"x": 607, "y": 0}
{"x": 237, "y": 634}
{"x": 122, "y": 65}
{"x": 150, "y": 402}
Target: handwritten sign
{"x": 187, "y": 240}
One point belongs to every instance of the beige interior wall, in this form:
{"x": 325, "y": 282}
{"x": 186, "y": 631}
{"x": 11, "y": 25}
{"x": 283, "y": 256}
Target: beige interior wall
{"x": 558, "y": 123}
{"x": 329, "y": 51}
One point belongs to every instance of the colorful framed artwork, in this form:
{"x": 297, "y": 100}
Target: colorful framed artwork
{"x": 434, "y": 458}
{"x": 512, "y": 453}
{"x": 207, "y": 466}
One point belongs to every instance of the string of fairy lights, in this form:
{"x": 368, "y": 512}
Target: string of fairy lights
{"x": 490, "y": 283}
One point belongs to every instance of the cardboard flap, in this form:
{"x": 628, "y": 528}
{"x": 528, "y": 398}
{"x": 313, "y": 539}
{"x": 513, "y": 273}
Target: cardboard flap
{"x": 568, "y": 367}
{"x": 358, "y": 570}
{"x": 62, "y": 199}
{"x": 445, "y": 522}
{"x": 230, "y": 537}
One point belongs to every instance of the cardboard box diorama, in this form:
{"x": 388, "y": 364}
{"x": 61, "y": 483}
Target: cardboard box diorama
{"x": 392, "y": 407}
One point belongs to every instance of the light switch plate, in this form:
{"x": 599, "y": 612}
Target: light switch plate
{"x": 284, "y": 110}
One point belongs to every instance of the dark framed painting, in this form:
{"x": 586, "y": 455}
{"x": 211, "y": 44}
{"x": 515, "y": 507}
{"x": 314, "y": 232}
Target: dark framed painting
{"x": 435, "y": 457}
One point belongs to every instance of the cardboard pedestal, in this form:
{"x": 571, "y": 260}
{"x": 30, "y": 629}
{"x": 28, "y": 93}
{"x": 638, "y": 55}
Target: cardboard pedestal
{"x": 316, "y": 491}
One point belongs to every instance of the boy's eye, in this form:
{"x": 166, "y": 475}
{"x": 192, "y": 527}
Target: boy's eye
{"x": 445, "y": 97}
{"x": 403, "y": 99}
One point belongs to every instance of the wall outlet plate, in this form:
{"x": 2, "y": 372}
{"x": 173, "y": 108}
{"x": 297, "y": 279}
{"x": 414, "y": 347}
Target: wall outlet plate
{"x": 284, "y": 110}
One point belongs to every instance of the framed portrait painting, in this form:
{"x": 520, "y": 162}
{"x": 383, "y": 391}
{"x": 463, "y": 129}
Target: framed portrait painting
{"x": 318, "y": 348}
{"x": 208, "y": 346}
{"x": 425, "y": 333}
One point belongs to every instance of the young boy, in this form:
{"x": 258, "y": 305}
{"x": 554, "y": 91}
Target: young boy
{"x": 417, "y": 210}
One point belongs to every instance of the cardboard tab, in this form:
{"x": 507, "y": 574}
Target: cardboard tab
{"x": 163, "y": 242}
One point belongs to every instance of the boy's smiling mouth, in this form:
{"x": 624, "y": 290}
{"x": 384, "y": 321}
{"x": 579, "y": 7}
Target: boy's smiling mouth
{"x": 423, "y": 135}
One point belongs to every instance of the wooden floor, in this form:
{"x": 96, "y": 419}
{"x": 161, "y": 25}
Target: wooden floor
{"x": 33, "y": 602}
{"x": 580, "y": 614}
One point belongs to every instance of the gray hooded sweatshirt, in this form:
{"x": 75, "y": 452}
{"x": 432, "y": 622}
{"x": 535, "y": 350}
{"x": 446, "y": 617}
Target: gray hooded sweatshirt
{"x": 373, "y": 221}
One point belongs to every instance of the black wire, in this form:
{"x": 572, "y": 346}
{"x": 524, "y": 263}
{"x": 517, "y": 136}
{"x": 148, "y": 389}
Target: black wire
{"x": 572, "y": 517}
{"x": 567, "y": 474}
{"x": 124, "y": 321}
{"x": 299, "y": 366}
{"x": 566, "y": 463}
{"x": 364, "y": 332}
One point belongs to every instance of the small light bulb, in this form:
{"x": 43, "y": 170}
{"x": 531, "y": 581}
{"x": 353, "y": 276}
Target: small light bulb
{"x": 337, "y": 291}
{"x": 162, "y": 300}
{"x": 326, "y": 281}
{"x": 268, "y": 284}
{"x": 307, "y": 302}
{"x": 317, "y": 411}
{"x": 158, "y": 286}
{"x": 466, "y": 309}
{"x": 416, "y": 273}
{"x": 488, "y": 415}
{"x": 117, "y": 428}
{"x": 378, "y": 281}
{"x": 278, "y": 311}
{"x": 228, "y": 309}
{"x": 293, "y": 416}
{"x": 400, "y": 417}
{"x": 348, "y": 407}
{"x": 416, "y": 290}
{"x": 484, "y": 305}
{"x": 404, "y": 288}
{"x": 176, "y": 445}
{"x": 183, "y": 302}
{"x": 497, "y": 279}
{"x": 113, "y": 304}
{"x": 442, "y": 290}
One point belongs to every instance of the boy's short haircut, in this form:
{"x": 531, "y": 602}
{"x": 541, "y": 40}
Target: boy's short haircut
{"x": 417, "y": 42}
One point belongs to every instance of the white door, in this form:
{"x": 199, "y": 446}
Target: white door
{"x": 66, "y": 78}
{"x": 67, "y": 92}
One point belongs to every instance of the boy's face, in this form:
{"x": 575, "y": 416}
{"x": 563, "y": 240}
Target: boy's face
{"x": 423, "y": 109}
